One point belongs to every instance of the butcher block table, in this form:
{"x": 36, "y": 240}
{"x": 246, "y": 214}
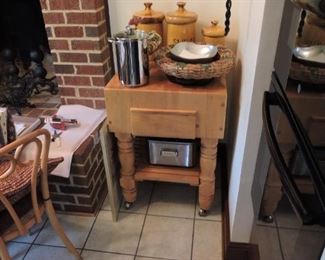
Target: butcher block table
{"x": 165, "y": 109}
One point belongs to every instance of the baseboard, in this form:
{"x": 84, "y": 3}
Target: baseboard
{"x": 231, "y": 250}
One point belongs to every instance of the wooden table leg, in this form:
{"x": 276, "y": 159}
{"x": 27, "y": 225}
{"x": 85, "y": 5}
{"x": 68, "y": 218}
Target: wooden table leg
{"x": 208, "y": 162}
{"x": 273, "y": 186}
{"x": 126, "y": 156}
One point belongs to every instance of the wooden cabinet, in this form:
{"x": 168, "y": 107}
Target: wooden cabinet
{"x": 165, "y": 109}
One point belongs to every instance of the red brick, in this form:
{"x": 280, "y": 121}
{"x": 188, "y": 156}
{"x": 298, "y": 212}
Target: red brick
{"x": 83, "y": 18}
{"x": 49, "y": 112}
{"x": 96, "y": 31}
{"x": 63, "y": 101}
{"x": 59, "y": 44}
{"x": 65, "y": 4}
{"x": 64, "y": 69}
{"x": 54, "y": 57}
{"x": 85, "y": 102}
{"x": 90, "y": 69}
{"x": 91, "y": 4}
{"x": 102, "y": 15}
{"x": 77, "y": 81}
{"x": 59, "y": 79}
{"x": 73, "y": 57}
{"x": 95, "y": 57}
{"x": 43, "y": 4}
{"x": 66, "y": 91}
{"x": 99, "y": 57}
{"x": 49, "y": 31}
{"x": 85, "y": 45}
{"x": 99, "y": 81}
{"x": 53, "y": 18}
{"x": 100, "y": 104}
{"x": 103, "y": 42}
{"x": 69, "y": 31}
{"x": 91, "y": 92}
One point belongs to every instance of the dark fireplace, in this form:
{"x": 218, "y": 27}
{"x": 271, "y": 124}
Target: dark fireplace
{"x": 23, "y": 46}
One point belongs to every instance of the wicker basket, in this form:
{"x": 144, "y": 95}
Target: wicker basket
{"x": 182, "y": 70}
{"x": 308, "y": 74}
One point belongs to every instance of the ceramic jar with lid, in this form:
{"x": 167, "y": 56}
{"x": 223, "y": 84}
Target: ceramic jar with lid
{"x": 149, "y": 20}
{"x": 180, "y": 25}
{"x": 213, "y": 34}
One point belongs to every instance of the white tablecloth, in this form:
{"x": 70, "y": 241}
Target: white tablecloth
{"x": 73, "y": 137}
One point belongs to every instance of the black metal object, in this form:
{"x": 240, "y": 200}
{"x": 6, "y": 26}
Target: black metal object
{"x": 15, "y": 89}
{"x": 228, "y": 15}
{"x": 301, "y": 23}
{"x": 22, "y": 45}
{"x": 302, "y": 204}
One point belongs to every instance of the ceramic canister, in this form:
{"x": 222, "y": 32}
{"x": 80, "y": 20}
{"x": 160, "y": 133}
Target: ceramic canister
{"x": 180, "y": 25}
{"x": 149, "y": 20}
{"x": 213, "y": 34}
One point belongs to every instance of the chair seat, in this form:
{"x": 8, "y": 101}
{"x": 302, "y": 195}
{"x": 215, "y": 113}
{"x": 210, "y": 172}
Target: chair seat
{"x": 17, "y": 184}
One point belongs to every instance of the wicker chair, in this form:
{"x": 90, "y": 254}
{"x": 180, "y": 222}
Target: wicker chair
{"x": 21, "y": 180}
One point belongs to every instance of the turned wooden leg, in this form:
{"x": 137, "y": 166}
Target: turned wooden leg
{"x": 273, "y": 187}
{"x": 208, "y": 162}
{"x": 272, "y": 193}
{"x": 126, "y": 156}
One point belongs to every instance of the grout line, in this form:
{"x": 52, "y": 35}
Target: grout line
{"x": 158, "y": 258}
{"x": 193, "y": 230}
{"x": 144, "y": 221}
{"x": 33, "y": 242}
{"x": 110, "y": 252}
{"x": 279, "y": 239}
{"x": 91, "y": 228}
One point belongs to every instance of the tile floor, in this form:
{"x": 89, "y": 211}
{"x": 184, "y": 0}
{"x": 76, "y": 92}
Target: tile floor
{"x": 286, "y": 238}
{"x": 162, "y": 224}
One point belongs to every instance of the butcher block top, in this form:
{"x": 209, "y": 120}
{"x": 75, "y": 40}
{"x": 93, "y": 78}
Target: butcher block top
{"x": 164, "y": 109}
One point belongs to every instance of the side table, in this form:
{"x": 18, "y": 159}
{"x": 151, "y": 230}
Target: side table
{"x": 165, "y": 109}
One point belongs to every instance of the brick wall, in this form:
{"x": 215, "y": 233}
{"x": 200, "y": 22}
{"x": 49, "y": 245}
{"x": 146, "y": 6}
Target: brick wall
{"x": 86, "y": 188}
{"x": 77, "y": 32}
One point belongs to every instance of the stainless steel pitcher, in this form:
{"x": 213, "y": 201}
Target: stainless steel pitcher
{"x": 132, "y": 55}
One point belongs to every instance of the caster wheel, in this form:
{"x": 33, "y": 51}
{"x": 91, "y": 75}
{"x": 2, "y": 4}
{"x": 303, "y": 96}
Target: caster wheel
{"x": 268, "y": 219}
{"x": 203, "y": 213}
{"x": 128, "y": 205}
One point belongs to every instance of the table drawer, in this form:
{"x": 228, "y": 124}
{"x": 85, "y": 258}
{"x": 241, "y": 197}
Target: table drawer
{"x": 163, "y": 123}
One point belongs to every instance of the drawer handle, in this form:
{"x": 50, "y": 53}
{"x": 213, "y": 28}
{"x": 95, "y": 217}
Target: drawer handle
{"x": 168, "y": 153}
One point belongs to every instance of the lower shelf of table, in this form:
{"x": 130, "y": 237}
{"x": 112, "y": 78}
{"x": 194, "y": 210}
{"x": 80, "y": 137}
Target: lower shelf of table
{"x": 168, "y": 174}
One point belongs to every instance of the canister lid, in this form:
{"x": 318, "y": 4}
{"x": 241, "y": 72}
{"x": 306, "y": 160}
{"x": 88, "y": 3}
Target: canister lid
{"x": 181, "y": 15}
{"x": 130, "y": 34}
{"x": 148, "y": 15}
{"x": 213, "y": 30}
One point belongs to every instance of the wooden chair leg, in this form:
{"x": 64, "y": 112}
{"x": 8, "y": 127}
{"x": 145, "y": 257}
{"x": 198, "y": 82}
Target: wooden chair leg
{"x": 4, "y": 251}
{"x": 58, "y": 228}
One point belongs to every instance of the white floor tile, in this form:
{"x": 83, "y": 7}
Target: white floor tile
{"x": 91, "y": 255}
{"x": 76, "y": 228}
{"x": 34, "y": 231}
{"x": 17, "y": 250}
{"x": 214, "y": 212}
{"x": 207, "y": 240}
{"x": 167, "y": 238}
{"x": 141, "y": 204}
{"x": 106, "y": 205}
{"x": 148, "y": 258}
{"x": 48, "y": 252}
{"x": 286, "y": 218}
{"x": 174, "y": 200}
{"x": 118, "y": 237}
{"x": 301, "y": 244}
{"x": 268, "y": 242}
